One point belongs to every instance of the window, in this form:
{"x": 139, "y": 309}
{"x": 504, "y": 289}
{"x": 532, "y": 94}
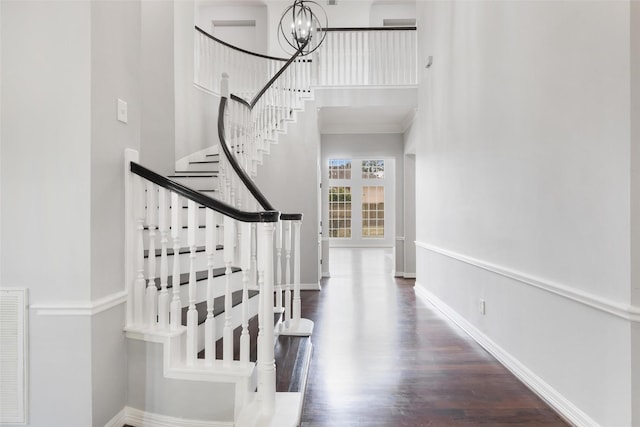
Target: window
{"x": 372, "y": 211}
{"x": 339, "y": 169}
{"x": 340, "y": 211}
{"x": 373, "y": 169}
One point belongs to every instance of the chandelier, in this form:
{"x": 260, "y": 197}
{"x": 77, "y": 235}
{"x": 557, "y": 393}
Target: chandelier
{"x": 302, "y": 27}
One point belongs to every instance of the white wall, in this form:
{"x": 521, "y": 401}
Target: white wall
{"x": 64, "y": 65}
{"x": 523, "y": 171}
{"x": 635, "y": 203}
{"x": 157, "y": 150}
{"x": 252, "y": 39}
{"x": 387, "y": 10}
{"x": 294, "y": 188}
{"x": 46, "y": 201}
{"x": 115, "y": 73}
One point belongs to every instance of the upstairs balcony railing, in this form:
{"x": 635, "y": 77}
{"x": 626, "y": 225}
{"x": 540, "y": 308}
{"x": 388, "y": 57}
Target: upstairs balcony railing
{"x": 379, "y": 56}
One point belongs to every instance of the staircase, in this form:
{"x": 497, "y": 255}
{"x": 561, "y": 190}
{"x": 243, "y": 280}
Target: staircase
{"x": 213, "y": 269}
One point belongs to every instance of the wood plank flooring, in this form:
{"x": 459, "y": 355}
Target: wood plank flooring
{"x": 383, "y": 358}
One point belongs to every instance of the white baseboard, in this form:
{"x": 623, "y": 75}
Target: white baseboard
{"x": 118, "y": 420}
{"x": 409, "y": 275}
{"x": 550, "y": 395}
{"x": 140, "y": 418}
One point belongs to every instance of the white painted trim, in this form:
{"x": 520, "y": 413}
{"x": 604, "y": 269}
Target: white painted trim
{"x": 627, "y": 312}
{"x": 81, "y": 309}
{"x": 310, "y": 286}
{"x": 399, "y": 238}
{"x": 118, "y": 420}
{"x": 349, "y": 245}
{"x": 409, "y": 275}
{"x": 408, "y": 122}
{"x": 140, "y": 418}
{"x": 550, "y": 395}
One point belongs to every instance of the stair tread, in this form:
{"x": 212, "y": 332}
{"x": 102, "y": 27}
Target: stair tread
{"x": 218, "y": 306}
{"x": 184, "y": 250}
{"x": 200, "y": 275}
{"x": 293, "y": 357}
{"x": 253, "y": 345}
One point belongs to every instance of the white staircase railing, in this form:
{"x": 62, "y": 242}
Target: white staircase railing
{"x": 384, "y": 56}
{"x": 155, "y": 207}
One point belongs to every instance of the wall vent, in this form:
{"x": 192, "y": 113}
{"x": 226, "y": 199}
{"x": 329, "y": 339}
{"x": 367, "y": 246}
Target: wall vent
{"x": 13, "y": 356}
{"x": 332, "y": 2}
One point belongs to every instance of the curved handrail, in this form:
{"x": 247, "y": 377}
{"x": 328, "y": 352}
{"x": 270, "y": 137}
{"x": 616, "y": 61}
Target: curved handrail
{"x": 329, "y": 30}
{"x": 268, "y": 215}
{"x": 246, "y": 180}
{"x": 224, "y": 96}
{"x": 239, "y": 49}
{"x": 256, "y": 98}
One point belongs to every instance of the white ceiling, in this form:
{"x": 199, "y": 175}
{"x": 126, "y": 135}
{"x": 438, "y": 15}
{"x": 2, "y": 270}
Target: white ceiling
{"x": 365, "y": 119}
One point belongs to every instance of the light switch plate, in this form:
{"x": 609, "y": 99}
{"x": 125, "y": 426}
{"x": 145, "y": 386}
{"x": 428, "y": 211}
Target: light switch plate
{"x": 122, "y": 111}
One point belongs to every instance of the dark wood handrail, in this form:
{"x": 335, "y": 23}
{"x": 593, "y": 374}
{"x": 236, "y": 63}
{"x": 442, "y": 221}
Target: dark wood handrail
{"x": 256, "y": 98}
{"x": 330, "y": 30}
{"x": 239, "y": 49}
{"x": 246, "y": 180}
{"x": 269, "y": 215}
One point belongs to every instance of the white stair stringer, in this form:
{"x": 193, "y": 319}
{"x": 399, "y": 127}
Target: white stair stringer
{"x": 176, "y": 384}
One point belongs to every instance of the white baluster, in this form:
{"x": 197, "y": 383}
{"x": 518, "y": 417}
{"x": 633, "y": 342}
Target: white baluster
{"x": 140, "y": 283}
{"x": 297, "y": 326}
{"x": 175, "y": 317}
{"x": 296, "y": 274}
{"x": 210, "y": 323}
{"x": 279, "y": 308}
{"x": 152, "y": 291}
{"x": 266, "y": 362}
{"x": 192, "y": 313}
{"x": 245, "y": 265}
{"x": 163, "y": 222}
{"x": 227, "y": 334}
{"x": 254, "y": 250}
{"x": 287, "y": 252}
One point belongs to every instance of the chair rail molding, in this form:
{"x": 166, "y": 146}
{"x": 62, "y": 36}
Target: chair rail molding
{"x": 627, "y": 312}
{"x": 89, "y": 308}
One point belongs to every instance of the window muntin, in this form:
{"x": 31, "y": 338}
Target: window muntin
{"x": 340, "y": 212}
{"x": 339, "y": 169}
{"x": 373, "y": 169}
{"x": 373, "y": 211}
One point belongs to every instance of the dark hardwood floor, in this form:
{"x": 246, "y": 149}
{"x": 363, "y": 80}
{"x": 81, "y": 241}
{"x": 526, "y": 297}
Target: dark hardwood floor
{"x": 383, "y": 358}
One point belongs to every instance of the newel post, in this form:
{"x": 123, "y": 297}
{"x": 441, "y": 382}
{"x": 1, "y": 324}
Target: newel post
{"x": 266, "y": 358}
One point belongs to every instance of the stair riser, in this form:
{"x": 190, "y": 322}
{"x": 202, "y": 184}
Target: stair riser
{"x": 201, "y": 237}
{"x": 219, "y": 288}
{"x": 197, "y": 183}
{"x": 200, "y": 262}
{"x": 203, "y": 167}
{"x": 236, "y": 320}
